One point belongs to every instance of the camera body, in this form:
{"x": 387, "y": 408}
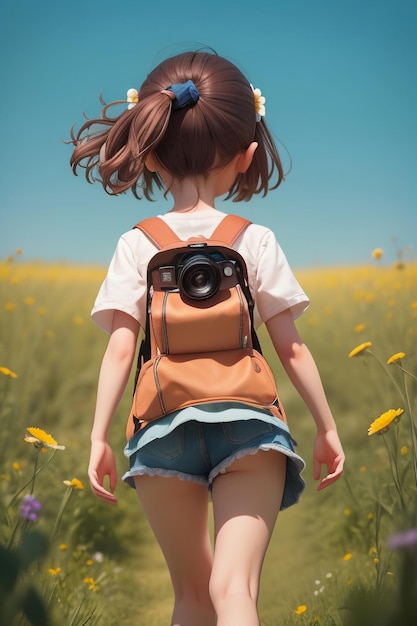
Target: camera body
{"x": 198, "y": 272}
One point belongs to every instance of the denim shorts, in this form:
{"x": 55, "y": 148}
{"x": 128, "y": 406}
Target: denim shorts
{"x": 198, "y": 451}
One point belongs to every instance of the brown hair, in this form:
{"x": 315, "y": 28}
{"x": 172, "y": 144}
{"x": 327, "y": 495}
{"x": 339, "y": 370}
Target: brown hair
{"x": 187, "y": 142}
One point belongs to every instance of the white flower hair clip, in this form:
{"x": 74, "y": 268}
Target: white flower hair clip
{"x": 132, "y": 98}
{"x": 259, "y": 103}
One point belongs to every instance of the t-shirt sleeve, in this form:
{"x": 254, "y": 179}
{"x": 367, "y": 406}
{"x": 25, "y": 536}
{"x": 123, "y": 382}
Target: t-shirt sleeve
{"x": 123, "y": 289}
{"x": 277, "y": 289}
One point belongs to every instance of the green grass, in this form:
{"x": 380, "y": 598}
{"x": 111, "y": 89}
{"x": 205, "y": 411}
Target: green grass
{"x": 49, "y": 341}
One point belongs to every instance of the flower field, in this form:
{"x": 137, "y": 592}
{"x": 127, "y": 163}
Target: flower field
{"x": 343, "y": 556}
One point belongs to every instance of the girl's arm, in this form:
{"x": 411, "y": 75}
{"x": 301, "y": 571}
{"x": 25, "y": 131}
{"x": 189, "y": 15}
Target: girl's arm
{"x": 114, "y": 374}
{"x": 303, "y": 373}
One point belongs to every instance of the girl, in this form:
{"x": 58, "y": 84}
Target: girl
{"x": 196, "y": 130}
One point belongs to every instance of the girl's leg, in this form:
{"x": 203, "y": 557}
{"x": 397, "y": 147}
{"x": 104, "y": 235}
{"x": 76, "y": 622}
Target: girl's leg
{"x": 246, "y": 501}
{"x": 177, "y": 511}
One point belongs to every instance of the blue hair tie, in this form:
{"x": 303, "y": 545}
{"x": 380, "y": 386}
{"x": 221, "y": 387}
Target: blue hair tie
{"x": 185, "y": 94}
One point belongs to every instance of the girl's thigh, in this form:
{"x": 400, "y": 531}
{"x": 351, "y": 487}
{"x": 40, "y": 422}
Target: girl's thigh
{"x": 177, "y": 511}
{"x": 246, "y": 501}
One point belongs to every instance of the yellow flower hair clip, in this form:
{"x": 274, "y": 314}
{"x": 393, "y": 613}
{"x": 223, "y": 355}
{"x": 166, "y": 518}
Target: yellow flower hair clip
{"x": 259, "y": 103}
{"x": 132, "y": 98}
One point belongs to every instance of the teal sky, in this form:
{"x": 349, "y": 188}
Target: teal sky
{"x": 341, "y": 89}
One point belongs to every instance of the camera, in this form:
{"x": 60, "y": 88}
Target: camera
{"x": 197, "y": 275}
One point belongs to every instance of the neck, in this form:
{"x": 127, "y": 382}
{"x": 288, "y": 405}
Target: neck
{"x": 193, "y": 195}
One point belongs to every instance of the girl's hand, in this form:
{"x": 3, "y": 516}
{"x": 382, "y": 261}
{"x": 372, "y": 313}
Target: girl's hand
{"x": 328, "y": 451}
{"x": 102, "y": 464}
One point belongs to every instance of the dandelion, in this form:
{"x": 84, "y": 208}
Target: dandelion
{"x": 54, "y": 571}
{"x": 41, "y": 439}
{"x": 359, "y": 349}
{"x": 63, "y": 547}
{"x": 92, "y": 583}
{"x": 403, "y": 450}
{"x": 300, "y": 609}
{"x": 384, "y": 421}
{"x": 16, "y": 466}
{"x": 74, "y": 482}
{"x": 30, "y": 508}
{"x": 395, "y": 357}
{"x": 8, "y": 372}
{"x": 89, "y": 562}
{"x": 359, "y": 328}
{"x": 347, "y": 512}
{"x": 377, "y": 253}
{"x": 347, "y": 556}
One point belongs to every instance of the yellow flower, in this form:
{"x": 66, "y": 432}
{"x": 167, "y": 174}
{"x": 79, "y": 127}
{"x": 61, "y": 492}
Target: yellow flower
{"x": 404, "y": 450}
{"x": 359, "y": 349}
{"x": 16, "y": 466}
{"x": 77, "y": 320}
{"x": 89, "y": 562}
{"x": 41, "y": 439}
{"x": 377, "y": 253}
{"x": 347, "y": 556}
{"x": 347, "y": 512}
{"x": 259, "y": 103}
{"x": 7, "y": 372}
{"x": 54, "y": 571}
{"x": 63, "y": 547}
{"x": 10, "y": 306}
{"x": 383, "y": 422}
{"x": 132, "y": 98}
{"x": 29, "y": 300}
{"x": 92, "y": 583}
{"x": 301, "y": 609}
{"x": 359, "y": 328}
{"x": 77, "y": 484}
{"x": 395, "y": 357}
{"x": 42, "y": 310}
{"x": 362, "y": 469}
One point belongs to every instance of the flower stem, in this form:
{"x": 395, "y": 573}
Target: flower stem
{"x": 36, "y": 473}
{"x": 412, "y": 427}
{"x": 394, "y": 471}
{"x": 64, "y": 503}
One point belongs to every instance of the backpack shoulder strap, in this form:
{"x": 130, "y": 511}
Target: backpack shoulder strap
{"x": 157, "y": 231}
{"x": 230, "y": 228}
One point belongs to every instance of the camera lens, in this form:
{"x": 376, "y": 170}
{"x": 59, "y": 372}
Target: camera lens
{"x": 199, "y": 278}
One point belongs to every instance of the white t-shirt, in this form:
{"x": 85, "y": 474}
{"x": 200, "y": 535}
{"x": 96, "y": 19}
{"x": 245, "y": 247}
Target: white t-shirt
{"x": 271, "y": 280}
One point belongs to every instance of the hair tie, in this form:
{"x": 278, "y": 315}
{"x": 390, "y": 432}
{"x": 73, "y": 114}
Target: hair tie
{"x": 182, "y": 94}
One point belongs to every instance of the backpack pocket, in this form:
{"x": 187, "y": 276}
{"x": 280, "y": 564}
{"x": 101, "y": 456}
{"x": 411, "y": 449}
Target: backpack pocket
{"x": 168, "y": 383}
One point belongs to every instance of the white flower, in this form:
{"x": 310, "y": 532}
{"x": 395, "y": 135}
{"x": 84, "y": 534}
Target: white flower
{"x": 132, "y": 98}
{"x": 259, "y": 103}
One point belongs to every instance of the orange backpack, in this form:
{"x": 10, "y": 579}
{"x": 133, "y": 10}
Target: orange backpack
{"x": 200, "y": 345}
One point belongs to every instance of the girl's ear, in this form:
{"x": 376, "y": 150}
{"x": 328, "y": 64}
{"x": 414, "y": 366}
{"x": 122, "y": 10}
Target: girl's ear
{"x": 151, "y": 162}
{"x": 246, "y": 157}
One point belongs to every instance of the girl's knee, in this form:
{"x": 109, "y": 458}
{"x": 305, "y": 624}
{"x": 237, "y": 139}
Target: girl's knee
{"x": 222, "y": 587}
